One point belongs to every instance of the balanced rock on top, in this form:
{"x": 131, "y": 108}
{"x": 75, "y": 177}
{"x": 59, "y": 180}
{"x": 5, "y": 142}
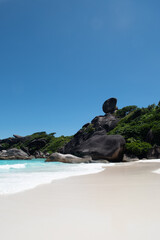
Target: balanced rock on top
{"x": 109, "y": 106}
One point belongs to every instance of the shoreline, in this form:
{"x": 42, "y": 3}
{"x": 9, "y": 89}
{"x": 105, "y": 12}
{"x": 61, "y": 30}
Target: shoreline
{"x": 18, "y": 175}
{"x": 85, "y": 169}
{"x": 121, "y": 202}
{"x": 103, "y": 169}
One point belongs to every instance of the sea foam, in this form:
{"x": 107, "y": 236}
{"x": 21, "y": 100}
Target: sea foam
{"x": 24, "y": 175}
{"x": 157, "y": 171}
{"x": 12, "y": 166}
{"x": 150, "y": 161}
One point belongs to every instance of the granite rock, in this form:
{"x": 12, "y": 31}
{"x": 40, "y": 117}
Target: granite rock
{"x": 14, "y": 153}
{"x": 154, "y": 153}
{"x": 67, "y": 158}
{"x": 109, "y": 106}
{"x": 98, "y": 146}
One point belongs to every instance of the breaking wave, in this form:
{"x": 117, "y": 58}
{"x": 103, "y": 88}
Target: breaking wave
{"x": 12, "y": 166}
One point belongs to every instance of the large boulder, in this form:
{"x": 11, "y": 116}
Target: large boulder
{"x": 69, "y": 158}
{"x": 99, "y": 146}
{"x": 107, "y": 122}
{"x": 154, "y": 153}
{"x": 102, "y": 146}
{"x": 92, "y": 139}
{"x": 35, "y": 145}
{"x": 66, "y": 158}
{"x": 100, "y": 123}
{"x": 109, "y": 106}
{"x": 14, "y": 153}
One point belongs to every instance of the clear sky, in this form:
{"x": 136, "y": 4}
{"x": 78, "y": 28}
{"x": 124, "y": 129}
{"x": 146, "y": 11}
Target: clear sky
{"x": 60, "y": 60}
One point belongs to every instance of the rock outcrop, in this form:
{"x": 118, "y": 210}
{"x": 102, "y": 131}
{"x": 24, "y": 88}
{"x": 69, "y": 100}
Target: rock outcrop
{"x": 17, "y": 136}
{"x": 130, "y": 158}
{"x": 39, "y": 154}
{"x": 35, "y": 145}
{"x": 69, "y": 158}
{"x": 107, "y": 122}
{"x": 100, "y": 123}
{"x": 27, "y": 144}
{"x": 14, "y": 153}
{"x": 66, "y": 158}
{"x": 92, "y": 139}
{"x": 91, "y": 143}
{"x": 154, "y": 153}
{"x": 13, "y": 140}
{"x": 103, "y": 146}
{"x": 99, "y": 146}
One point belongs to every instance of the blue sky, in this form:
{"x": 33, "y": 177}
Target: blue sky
{"x": 60, "y": 60}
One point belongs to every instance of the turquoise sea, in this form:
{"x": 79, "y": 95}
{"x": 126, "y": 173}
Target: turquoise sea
{"x": 19, "y": 175}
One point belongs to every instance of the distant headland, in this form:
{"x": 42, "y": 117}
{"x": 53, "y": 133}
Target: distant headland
{"x": 126, "y": 134}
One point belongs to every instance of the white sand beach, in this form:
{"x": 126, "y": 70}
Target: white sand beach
{"x": 120, "y": 203}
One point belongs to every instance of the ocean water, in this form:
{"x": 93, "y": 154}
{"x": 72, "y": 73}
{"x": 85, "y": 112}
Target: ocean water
{"x": 20, "y": 175}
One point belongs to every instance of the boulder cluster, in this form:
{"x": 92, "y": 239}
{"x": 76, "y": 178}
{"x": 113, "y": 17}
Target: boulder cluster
{"x": 32, "y": 150}
{"x": 14, "y": 153}
{"x": 92, "y": 141}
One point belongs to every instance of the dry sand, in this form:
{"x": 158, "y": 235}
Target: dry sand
{"x": 120, "y": 203}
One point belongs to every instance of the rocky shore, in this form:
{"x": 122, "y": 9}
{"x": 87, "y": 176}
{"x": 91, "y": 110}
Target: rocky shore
{"x": 127, "y": 134}
{"x": 14, "y": 153}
